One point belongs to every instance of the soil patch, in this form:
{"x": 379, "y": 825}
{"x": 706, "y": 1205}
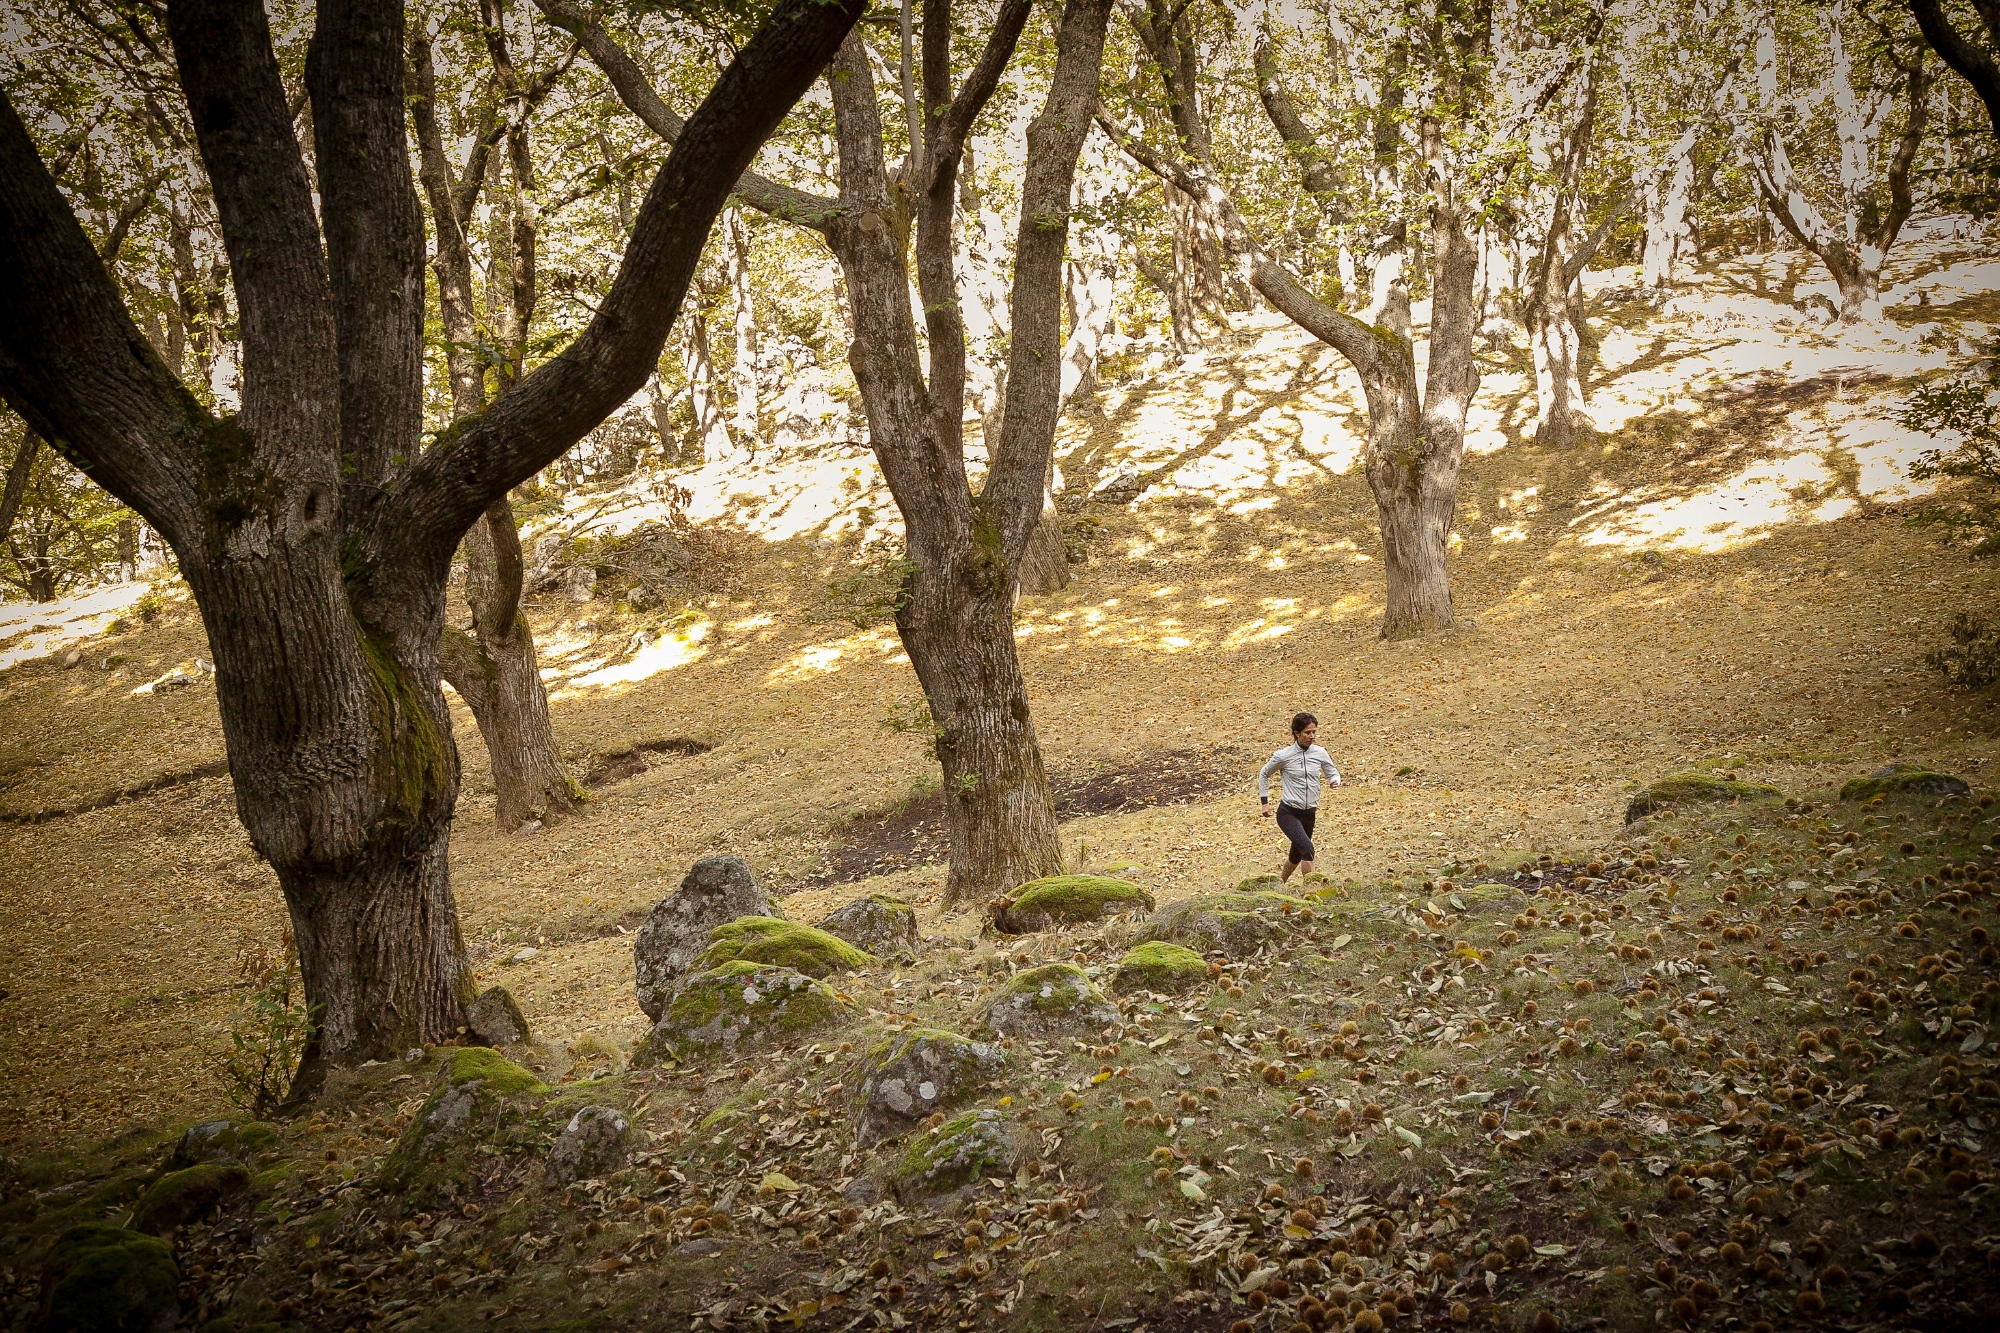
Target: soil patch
{"x": 623, "y": 764}
{"x": 913, "y": 833}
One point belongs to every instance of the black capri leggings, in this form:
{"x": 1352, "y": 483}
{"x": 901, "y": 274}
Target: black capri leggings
{"x": 1297, "y": 824}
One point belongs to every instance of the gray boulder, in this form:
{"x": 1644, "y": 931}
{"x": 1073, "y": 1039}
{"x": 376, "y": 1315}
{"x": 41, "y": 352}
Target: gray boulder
{"x": 1055, "y": 1000}
{"x": 717, "y": 891}
{"x": 495, "y": 1020}
{"x": 960, "y": 1153}
{"x": 920, "y": 1072}
{"x": 877, "y": 924}
{"x": 222, "y": 1141}
{"x": 596, "y": 1142}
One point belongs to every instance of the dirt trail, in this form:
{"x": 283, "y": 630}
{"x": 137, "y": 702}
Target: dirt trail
{"x": 1723, "y": 581}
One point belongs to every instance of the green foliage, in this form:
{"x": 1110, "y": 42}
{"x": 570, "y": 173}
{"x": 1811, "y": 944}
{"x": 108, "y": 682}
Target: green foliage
{"x": 1971, "y": 661}
{"x": 68, "y": 533}
{"x": 1965, "y": 410}
{"x": 267, "y": 1037}
{"x": 912, "y": 716}
{"x": 875, "y": 587}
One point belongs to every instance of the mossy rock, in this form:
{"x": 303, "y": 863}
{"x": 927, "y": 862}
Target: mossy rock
{"x": 771, "y": 942}
{"x": 878, "y": 923}
{"x": 960, "y": 1153}
{"x": 1693, "y": 789}
{"x": 1160, "y": 966}
{"x": 1903, "y": 779}
{"x": 920, "y": 1072}
{"x": 741, "y": 1006}
{"x": 1063, "y": 900}
{"x": 101, "y": 1278}
{"x": 1235, "y": 923}
{"x": 477, "y": 1091}
{"x": 181, "y": 1197}
{"x": 1055, "y": 1000}
{"x": 223, "y": 1141}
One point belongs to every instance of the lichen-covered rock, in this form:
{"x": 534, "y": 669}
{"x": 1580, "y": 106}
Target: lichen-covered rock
{"x": 1691, "y": 789}
{"x": 495, "y": 1020}
{"x": 1159, "y": 966}
{"x": 1062, "y": 900}
{"x": 718, "y": 890}
{"x": 879, "y": 924}
{"x": 181, "y": 1197}
{"x": 474, "y": 1088}
{"x": 100, "y": 1278}
{"x": 740, "y": 1006}
{"x": 223, "y": 1141}
{"x": 1903, "y": 778}
{"x": 777, "y": 943}
{"x": 1235, "y": 923}
{"x": 1055, "y": 1000}
{"x": 596, "y": 1142}
{"x": 962, "y": 1151}
{"x": 922, "y": 1071}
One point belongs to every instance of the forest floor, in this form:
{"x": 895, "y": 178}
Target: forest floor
{"x": 1723, "y": 582}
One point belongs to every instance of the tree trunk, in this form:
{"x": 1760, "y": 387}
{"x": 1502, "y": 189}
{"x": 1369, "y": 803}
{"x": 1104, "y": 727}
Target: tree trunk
{"x": 313, "y": 528}
{"x": 743, "y": 369}
{"x": 711, "y": 432}
{"x": 999, "y": 811}
{"x": 494, "y": 669}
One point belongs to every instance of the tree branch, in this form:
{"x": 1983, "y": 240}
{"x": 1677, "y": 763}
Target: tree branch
{"x": 1322, "y": 182}
{"x": 636, "y": 91}
{"x": 18, "y": 473}
{"x": 1975, "y": 66}
{"x": 957, "y": 118}
{"x": 291, "y": 392}
{"x": 74, "y": 365}
{"x": 374, "y": 240}
{"x": 533, "y": 423}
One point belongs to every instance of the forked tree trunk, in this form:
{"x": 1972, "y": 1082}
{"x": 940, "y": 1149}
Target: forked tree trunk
{"x": 711, "y": 431}
{"x": 313, "y": 527}
{"x": 743, "y": 366}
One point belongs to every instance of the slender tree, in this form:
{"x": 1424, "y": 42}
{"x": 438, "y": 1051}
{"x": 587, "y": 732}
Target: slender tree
{"x": 314, "y": 526}
{"x": 955, "y": 615}
{"x": 494, "y": 667}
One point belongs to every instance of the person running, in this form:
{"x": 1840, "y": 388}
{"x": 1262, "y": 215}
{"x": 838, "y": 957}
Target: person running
{"x": 1298, "y": 766}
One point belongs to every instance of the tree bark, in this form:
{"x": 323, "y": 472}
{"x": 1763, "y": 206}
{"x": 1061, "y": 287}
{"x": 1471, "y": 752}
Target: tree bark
{"x": 317, "y": 540}
{"x": 711, "y": 429}
{"x": 1977, "y": 67}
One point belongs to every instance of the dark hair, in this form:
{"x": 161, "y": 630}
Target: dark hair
{"x": 1300, "y": 721}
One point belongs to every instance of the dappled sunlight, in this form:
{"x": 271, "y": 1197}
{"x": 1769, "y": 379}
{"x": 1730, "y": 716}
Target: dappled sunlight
{"x": 649, "y": 659}
{"x": 31, "y": 630}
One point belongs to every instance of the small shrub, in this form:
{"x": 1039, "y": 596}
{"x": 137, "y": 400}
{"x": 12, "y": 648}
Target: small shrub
{"x": 875, "y": 588}
{"x": 911, "y": 716}
{"x": 1965, "y": 409}
{"x": 267, "y": 1037}
{"x": 1971, "y": 661}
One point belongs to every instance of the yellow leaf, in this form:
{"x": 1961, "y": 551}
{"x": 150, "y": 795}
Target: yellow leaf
{"x": 777, "y": 1180}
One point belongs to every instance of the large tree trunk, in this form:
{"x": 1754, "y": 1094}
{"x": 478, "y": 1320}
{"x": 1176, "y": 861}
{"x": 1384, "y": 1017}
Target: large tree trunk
{"x": 313, "y": 527}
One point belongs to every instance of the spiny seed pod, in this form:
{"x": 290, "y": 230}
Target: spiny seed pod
{"x": 1518, "y": 1247}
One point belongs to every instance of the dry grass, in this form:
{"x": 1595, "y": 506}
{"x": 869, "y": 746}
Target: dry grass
{"x": 1240, "y": 589}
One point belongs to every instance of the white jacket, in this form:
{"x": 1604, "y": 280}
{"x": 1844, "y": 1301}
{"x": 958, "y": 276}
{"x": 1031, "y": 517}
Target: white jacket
{"x": 1298, "y": 775}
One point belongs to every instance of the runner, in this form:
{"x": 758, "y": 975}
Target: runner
{"x": 1298, "y": 767}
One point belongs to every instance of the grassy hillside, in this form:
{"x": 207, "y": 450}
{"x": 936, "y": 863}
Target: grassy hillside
{"x": 1765, "y": 1056}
